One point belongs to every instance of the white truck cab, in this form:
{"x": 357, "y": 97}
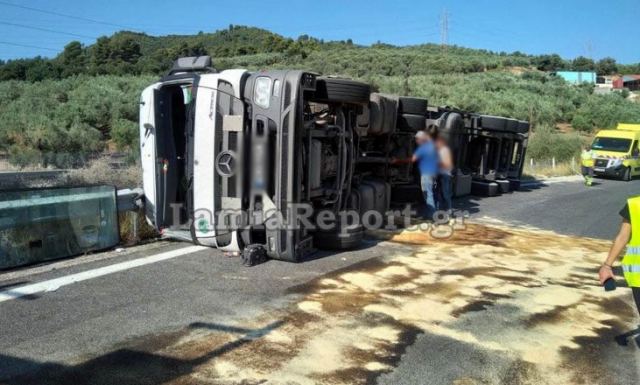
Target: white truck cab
{"x": 191, "y": 124}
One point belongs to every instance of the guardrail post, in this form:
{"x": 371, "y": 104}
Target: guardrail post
{"x": 130, "y": 202}
{"x": 134, "y": 219}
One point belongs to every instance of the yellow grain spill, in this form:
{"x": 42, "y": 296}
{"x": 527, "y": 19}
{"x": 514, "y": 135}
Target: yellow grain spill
{"x": 351, "y": 324}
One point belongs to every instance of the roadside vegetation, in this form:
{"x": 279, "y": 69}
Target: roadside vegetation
{"x": 63, "y": 123}
{"x": 68, "y": 110}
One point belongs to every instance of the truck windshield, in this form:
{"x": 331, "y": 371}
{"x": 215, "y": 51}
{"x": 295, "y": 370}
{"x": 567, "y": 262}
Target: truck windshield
{"x": 611, "y": 144}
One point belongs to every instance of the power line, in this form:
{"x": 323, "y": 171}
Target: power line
{"x": 28, "y": 46}
{"x": 46, "y": 30}
{"x": 66, "y": 15}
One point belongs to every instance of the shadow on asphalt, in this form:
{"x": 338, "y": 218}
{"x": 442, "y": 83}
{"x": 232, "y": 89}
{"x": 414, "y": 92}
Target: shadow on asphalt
{"x": 471, "y": 203}
{"x": 12, "y": 284}
{"x": 623, "y": 339}
{"x": 319, "y": 254}
{"x": 127, "y": 366}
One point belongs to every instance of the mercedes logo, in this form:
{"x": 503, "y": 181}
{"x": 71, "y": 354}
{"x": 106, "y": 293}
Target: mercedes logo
{"x": 226, "y": 163}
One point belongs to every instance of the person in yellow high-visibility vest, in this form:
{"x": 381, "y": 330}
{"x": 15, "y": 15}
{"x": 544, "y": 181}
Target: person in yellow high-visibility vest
{"x": 631, "y": 239}
{"x": 587, "y": 165}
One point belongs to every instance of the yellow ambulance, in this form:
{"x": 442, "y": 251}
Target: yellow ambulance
{"x": 615, "y": 152}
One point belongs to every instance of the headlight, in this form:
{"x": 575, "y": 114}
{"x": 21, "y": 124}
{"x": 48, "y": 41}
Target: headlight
{"x": 262, "y": 92}
{"x": 615, "y": 162}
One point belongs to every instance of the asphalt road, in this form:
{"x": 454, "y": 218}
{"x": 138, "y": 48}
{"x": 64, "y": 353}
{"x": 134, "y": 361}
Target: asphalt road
{"x": 82, "y": 332}
{"x": 564, "y": 207}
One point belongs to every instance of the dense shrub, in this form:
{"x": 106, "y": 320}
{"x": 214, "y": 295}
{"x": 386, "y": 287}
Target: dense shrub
{"x": 546, "y": 143}
{"x": 605, "y": 111}
{"x": 63, "y": 123}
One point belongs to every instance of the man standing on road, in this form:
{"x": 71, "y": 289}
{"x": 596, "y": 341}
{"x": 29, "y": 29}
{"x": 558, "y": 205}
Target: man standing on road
{"x": 587, "y": 165}
{"x": 426, "y": 156}
{"x": 631, "y": 239}
{"x": 444, "y": 175}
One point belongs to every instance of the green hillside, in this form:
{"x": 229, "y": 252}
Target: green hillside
{"x": 64, "y": 110}
{"x": 137, "y": 53}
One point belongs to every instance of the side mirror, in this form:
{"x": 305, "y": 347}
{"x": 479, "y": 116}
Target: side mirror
{"x": 635, "y": 152}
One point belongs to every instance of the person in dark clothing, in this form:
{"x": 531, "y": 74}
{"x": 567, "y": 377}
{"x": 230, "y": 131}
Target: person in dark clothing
{"x": 445, "y": 175}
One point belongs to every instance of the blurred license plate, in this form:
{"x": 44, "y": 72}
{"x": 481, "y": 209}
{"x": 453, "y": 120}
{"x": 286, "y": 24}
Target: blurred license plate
{"x": 598, "y": 169}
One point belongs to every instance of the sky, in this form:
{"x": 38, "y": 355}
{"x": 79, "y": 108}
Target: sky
{"x": 568, "y": 27}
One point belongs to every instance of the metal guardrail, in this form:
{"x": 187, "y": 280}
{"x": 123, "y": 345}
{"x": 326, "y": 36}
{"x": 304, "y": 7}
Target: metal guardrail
{"x": 130, "y": 199}
{"x": 38, "y": 225}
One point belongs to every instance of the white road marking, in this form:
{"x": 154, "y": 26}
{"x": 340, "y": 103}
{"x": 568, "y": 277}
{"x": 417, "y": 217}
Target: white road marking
{"x": 561, "y": 179}
{"x": 55, "y": 284}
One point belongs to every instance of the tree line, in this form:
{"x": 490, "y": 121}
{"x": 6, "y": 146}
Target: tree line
{"x": 138, "y": 53}
{"x": 64, "y": 110}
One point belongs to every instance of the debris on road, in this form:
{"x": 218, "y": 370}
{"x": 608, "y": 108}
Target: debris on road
{"x": 528, "y": 296}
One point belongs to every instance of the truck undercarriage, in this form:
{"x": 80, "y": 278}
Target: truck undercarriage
{"x": 292, "y": 161}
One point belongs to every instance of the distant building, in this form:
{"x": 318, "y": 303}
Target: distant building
{"x": 631, "y": 82}
{"x": 605, "y": 82}
{"x": 618, "y": 84}
{"x": 577, "y": 77}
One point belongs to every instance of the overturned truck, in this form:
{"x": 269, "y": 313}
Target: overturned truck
{"x": 277, "y": 159}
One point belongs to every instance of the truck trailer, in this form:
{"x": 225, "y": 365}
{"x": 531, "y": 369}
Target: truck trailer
{"x": 235, "y": 158}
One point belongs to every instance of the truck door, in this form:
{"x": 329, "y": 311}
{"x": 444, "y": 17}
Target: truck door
{"x": 148, "y": 157}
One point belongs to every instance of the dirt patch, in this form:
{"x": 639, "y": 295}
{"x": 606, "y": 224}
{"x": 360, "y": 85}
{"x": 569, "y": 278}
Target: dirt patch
{"x": 473, "y": 306}
{"x": 470, "y": 235}
{"x": 524, "y": 373}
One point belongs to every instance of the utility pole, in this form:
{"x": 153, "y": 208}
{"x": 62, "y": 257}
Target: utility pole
{"x": 588, "y": 49}
{"x": 444, "y": 30}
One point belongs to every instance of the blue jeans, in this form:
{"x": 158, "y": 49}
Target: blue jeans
{"x": 444, "y": 198}
{"x": 426, "y": 182}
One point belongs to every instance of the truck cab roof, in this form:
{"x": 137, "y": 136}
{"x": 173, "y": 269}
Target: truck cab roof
{"x": 626, "y": 134}
{"x": 629, "y": 127}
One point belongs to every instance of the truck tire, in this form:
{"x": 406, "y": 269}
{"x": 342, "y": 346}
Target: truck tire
{"x": 342, "y": 91}
{"x": 484, "y": 188}
{"x": 376, "y": 114}
{"x": 504, "y": 186}
{"x": 334, "y": 240}
{"x": 523, "y": 127}
{"x": 627, "y": 174}
{"x": 411, "y": 122}
{"x": 494, "y": 123}
{"x": 414, "y": 106}
{"x": 453, "y": 123}
{"x": 512, "y": 125}
{"x": 390, "y": 117}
